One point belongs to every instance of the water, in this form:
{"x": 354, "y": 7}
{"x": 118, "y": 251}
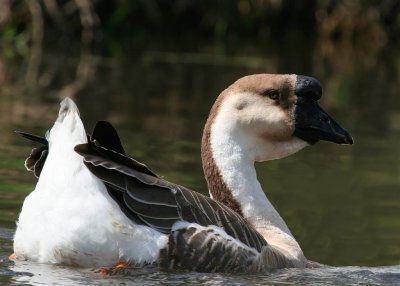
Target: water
{"x": 39, "y": 274}
{"x": 341, "y": 202}
{"x": 28, "y": 273}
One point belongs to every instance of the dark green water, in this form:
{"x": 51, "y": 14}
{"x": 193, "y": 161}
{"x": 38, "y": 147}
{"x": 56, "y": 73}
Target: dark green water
{"x": 342, "y": 203}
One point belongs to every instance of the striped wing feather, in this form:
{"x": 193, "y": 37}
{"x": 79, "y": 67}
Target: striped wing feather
{"x": 158, "y": 203}
{"x": 205, "y": 249}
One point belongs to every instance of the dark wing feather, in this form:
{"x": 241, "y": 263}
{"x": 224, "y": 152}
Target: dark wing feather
{"x": 128, "y": 175}
{"x": 104, "y": 135}
{"x": 38, "y": 156}
{"x": 151, "y": 211}
{"x": 168, "y": 203}
{"x": 107, "y": 136}
{"x": 34, "y": 138}
{"x": 159, "y": 223}
{"x": 34, "y": 157}
{"x": 37, "y": 169}
{"x": 210, "y": 212}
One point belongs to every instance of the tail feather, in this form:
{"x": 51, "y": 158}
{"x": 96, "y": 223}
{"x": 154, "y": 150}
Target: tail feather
{"x": 67, "y": 106}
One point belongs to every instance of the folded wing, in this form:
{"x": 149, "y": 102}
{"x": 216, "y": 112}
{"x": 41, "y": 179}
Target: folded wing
{"x": 204, "y": 235}
{"x": 157, "y": 203}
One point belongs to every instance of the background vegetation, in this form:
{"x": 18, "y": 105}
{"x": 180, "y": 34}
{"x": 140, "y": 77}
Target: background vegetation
{"x": 319, "y": 30}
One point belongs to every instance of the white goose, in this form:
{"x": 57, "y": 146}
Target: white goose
{"x": 96, "y": 207}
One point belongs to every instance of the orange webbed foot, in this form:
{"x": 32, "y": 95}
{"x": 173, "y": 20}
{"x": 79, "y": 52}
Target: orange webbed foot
{"x": 12, "y": 257}
{"x": 121, "y": 264}
{"x": 103, "y": 271}
{"x": 107, "y": 271}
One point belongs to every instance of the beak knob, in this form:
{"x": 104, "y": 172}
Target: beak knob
{"x": 308, "y": 87}
{"x": 312, "y": 122}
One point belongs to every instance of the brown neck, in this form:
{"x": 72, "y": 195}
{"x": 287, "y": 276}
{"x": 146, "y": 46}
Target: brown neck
{"x": 216, "y": 185}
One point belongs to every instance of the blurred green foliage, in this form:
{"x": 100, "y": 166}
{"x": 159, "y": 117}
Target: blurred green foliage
{"x": 297, "y": 32}
{"x": 123, "y": 25}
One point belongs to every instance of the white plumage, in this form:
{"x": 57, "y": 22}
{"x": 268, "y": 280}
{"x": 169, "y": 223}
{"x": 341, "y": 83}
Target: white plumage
{"x": 70, "y": 218}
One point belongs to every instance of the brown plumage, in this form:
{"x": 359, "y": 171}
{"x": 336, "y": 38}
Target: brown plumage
{"x": 216, "y": 184}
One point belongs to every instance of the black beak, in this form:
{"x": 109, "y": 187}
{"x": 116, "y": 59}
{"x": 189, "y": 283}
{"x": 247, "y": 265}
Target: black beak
{"x": 312, "y": 122}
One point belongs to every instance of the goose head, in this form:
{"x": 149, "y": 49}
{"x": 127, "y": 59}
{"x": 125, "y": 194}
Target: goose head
{"x": 272, "y": 116}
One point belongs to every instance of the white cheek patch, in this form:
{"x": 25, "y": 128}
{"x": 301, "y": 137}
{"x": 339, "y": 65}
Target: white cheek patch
{"x": 258, "y": 126}
{"x": 269, "y": 115}
{"x": 259, "y": 117}
{"x": 249, "y": 105}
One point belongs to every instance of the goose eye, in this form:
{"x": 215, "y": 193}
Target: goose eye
{"x": 273, "y": 94}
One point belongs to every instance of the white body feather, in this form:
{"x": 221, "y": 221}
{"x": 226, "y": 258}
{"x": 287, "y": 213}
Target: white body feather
{"x": 70, "y": 218}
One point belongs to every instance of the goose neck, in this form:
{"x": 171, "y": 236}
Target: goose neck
{"x": 231, "y": 177}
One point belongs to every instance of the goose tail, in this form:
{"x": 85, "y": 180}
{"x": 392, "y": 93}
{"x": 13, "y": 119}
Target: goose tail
{"x": 68, "y": 130}
{"x": 67, "y": 106}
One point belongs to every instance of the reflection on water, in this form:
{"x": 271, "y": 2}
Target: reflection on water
{"x": 341, "y": 203}
{"x": 26, "y": 273}
{"x": 39, "y": 274}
